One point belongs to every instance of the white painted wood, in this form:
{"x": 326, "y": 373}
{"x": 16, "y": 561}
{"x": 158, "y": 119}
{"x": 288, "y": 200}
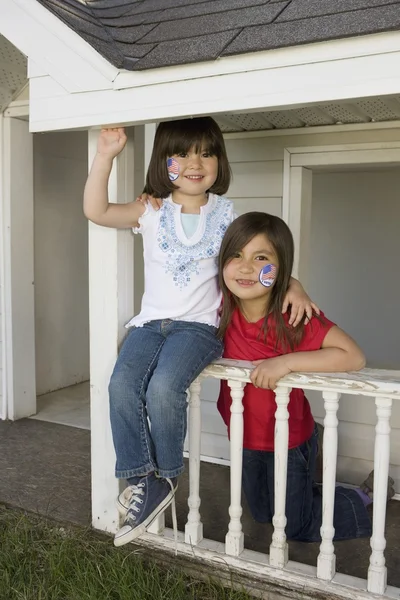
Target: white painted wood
{"x": 17, "y": 261}
{"x": 194, "y": 526}
{"x": 278, "y": 550}
{"x": 297, "y": 577}
{"x": 44, "y": 86}
{"x": 269, "y": 59}
{"x": 326, "y": 564}
{"x": 54, "y": 47}
{"x": 234, "y": 539}
{"x": 302, "y": 578}
{"x": 264, "y": 89}
{"x": 298, "y": 212}
{"x": 18, "y": 108}
{"x": 3, "y": 355}
{"x": 310, "y": 131}
{"x": 348, "y": 157}
{"x": 143, "y": 145}
{"x": 34, "y": 69}
{"x": 111, "y": 305}
{"x": 377, "y": 571}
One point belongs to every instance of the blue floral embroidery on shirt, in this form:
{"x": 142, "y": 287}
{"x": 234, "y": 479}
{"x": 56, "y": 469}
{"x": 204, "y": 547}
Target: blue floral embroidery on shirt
{"x": 184, "y": 261}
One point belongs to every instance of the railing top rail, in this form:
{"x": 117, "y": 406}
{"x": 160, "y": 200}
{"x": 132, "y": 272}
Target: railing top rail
{"x": 368, "y": 382}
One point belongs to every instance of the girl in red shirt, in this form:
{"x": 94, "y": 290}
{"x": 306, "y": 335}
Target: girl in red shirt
{"x": 255, "y": 266}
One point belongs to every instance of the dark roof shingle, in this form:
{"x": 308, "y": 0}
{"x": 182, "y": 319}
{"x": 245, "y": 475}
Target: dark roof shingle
{"x": 146, "y": 34}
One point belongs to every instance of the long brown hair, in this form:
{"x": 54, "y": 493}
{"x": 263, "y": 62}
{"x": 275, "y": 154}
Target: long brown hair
{"x": 237, "y": 236}
{"x": 174, "y": 137}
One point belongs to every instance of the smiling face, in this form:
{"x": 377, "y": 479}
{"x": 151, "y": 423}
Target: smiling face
{"x": 193, "y": 172}
{"x": 242, "y": 273}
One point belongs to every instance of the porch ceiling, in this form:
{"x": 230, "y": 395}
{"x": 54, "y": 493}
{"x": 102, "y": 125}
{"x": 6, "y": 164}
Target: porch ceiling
{"x": 12, "y": 72}
{"x": 366, "y": 110}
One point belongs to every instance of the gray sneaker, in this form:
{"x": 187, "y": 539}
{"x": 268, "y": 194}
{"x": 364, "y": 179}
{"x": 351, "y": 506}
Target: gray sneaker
{"x": 141, "y": 504}
{"x": 368, "y": 487}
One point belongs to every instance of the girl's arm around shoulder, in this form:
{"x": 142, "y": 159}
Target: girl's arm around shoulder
{"x": 338, "y": 353}
{"x": 96, "y": 205}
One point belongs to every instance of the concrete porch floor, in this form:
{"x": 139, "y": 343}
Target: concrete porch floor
{"x": 45, "y": 469}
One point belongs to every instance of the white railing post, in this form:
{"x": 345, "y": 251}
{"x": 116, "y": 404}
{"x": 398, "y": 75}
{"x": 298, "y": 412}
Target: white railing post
{"x": 194, "y": 526}
{"x": 278, "y": 550}
{"x": 234, "y": 539}
{"x": 326, "y": 564}
{"x": 377, "y": 572}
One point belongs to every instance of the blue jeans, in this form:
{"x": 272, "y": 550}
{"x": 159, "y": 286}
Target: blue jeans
{"x": 303, "y": 497}
{"x": 154, "y": 369}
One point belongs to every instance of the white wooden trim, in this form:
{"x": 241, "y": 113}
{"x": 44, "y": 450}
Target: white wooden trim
{"x": 368, "y": 45}
{"x": 313, "y": 130}
{"x": 242, "y": 92}
{"x": 18, "y": 270}
{"x": 3, "y": 361}
{"x": 297, "y": 185}
{"x": 360, "y": 146}
{"x": 17, "y": 108}
{"x": 110, "y": 306}
{"x": 346, "y": 157}
{"x": 301, "y": 579}
{"x": 54, "y": 47}
{"x": 286, "y": 186}
{"x": 299, "y": 219}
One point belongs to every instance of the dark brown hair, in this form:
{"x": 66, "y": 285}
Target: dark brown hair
{"x": 237, "y": 236}
{"x": 174, "y": 137}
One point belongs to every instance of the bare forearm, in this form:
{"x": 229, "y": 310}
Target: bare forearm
{"x": 95, "y": 199}
{"x": 329, "y": 360}
{"x": 96, "y": 205}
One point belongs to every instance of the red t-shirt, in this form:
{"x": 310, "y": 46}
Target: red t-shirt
{"x": 246, "y": 341}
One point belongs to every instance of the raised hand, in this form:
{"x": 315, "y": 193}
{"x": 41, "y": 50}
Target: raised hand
{"x": 111, "y": 142}
{"x": 156, "y": 203}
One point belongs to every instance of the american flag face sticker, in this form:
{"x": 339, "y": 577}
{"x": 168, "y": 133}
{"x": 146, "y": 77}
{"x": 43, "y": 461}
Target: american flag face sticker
{"x": 267, "y": 275}
{"x": 173, "y": 169}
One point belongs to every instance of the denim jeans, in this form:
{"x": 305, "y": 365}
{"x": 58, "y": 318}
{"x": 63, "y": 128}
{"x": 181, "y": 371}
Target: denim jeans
{"x": 303, "y": 496}
{"x": 156, "y": 365}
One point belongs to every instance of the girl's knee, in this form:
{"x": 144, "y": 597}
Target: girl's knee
{"x": 121, "y": 386}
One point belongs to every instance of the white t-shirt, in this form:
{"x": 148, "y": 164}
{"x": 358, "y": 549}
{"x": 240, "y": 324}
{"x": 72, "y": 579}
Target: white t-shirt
{"x": 181, "y": 273}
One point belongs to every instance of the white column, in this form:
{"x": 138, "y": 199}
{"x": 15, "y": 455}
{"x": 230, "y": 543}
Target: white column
{"x": 194, "y": 526}
{"x": 296, "y": 211}
{"x": 234, "y": 539}
{"x": 377, "y": 572}
{"x": 278, "y": 550}
{"x": 17, "y": 269}
{"x": 110, "y": 306}
{"x": 326, "y": 564}
{"x": 144, "y": 139}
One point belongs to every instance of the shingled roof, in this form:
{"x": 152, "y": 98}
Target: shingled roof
{"x": 146, "y": 34}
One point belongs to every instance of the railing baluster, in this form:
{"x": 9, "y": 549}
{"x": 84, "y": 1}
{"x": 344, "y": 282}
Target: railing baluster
{"x": 326, "y": 564}
{"x": 377, "y": 572}
{"x": 158, "y": 525}
{"x": 194, "y": 526}
{"x": 278, "y": 550}
{"x": 234, "y": 539}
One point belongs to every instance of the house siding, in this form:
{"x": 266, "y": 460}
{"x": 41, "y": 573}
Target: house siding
{"x": 61, "y": 261}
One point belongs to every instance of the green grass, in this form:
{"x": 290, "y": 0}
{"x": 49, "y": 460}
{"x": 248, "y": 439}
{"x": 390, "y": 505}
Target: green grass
{"x": 43, "y": 560}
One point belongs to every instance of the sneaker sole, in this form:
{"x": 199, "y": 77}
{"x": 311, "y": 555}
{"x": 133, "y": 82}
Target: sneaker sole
{"x": 136, "y": 532}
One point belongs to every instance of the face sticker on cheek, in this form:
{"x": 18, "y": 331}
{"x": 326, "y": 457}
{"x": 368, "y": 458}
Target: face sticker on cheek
{"x": 267, "y": 275}
{"x": 173, "y": 169}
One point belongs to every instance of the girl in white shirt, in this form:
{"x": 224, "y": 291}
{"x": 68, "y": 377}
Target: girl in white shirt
{"x": 173, "y": 338}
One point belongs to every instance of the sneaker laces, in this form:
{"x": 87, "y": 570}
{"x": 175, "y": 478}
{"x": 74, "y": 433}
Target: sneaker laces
{"x": 174, "y": 519}
{"x": 133, "y": 495}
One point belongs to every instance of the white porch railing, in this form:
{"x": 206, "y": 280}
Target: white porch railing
{"x": 384, "y": 386}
